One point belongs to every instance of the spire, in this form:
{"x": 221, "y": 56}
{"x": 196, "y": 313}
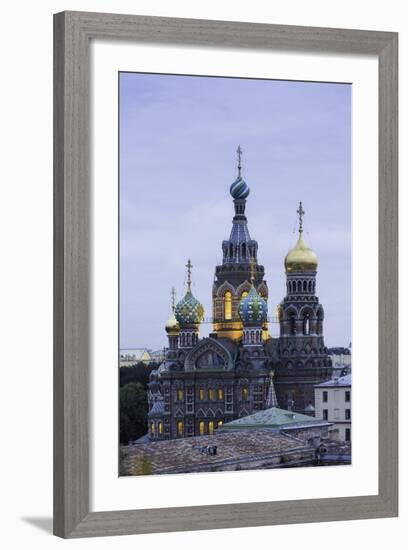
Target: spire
{"x": 239, "y": 152}
{"x": 300, "y": 213}
{"x": 173, "y": 299}
{"x": 189, "y": 266}
{"x": 271, "y": 400}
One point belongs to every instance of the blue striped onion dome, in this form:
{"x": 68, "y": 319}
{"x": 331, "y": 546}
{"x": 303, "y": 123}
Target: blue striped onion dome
{"x": 189, "y": 311}
{"x": 253, "y": 309}
{"x": 239, "y": 189}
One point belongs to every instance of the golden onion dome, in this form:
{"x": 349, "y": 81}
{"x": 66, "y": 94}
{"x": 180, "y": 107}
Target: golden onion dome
{"x": 300, "y": 257}
{"x": 172, "y": 326}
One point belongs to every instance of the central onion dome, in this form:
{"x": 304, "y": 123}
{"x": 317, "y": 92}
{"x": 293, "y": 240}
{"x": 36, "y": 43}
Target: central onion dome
{"x": 253, "y": 309}
{"x": 239, "y": 189}
{"x": 300, "y": 257}
{"x": 189, "y": 311}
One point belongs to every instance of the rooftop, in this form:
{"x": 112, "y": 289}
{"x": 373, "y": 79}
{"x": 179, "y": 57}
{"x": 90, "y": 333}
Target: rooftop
{"x": 342, "y": 381}
{"x": 274, "y": 418}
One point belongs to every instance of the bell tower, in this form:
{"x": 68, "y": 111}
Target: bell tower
{"x": 303, "y": 356}
{"x": 232, "y": 277}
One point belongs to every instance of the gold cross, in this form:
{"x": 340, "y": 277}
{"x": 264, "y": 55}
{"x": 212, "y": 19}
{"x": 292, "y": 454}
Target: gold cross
{"x": 301, "y": 213}
{"x": 189, "y": 266}
{"x": 173, "y": 298}
{"x": 239, "y": 151}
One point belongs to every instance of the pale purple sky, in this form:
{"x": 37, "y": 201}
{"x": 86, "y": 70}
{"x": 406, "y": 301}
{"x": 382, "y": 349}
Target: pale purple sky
{"x": 178, "y": 141}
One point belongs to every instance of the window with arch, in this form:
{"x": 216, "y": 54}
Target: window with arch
{"x": 211, "y": 394}
{"x": 306, "y": 324}
{"x": 219, "y": 423}
{"x": 180, "y": 395}
{"x": 179, "y": 427}
{"x": 210, "y": 427}
{"x": 299, "y": 286}
{"x": 160, "y": 427}
{"x": 201, "y": 394}
{"x": 227, "y": 305}
{"x": 244, "y": 393}
{"x": 292, "y": 324}
{"x": 310, "y": 286}
{"x": 152, "y": 430}
{"x": 220, "y": 394}
{"x": 304, "y": 286}
{"x": 231, "y": 251}
{"x": 244, "y": 250}
{"x": 201, "y": 427}
{"x": 245, "y": 293}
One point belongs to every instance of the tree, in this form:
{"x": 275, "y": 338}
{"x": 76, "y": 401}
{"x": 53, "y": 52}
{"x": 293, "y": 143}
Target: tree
{"x": 133, "y": 412}
{"x": 137, "y": 373}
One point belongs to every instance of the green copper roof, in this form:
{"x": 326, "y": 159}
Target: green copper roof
{"x": 273, "y": 418}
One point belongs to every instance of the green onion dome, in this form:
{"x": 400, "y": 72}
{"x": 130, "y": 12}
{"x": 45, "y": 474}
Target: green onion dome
{"x": 239, "y": 189}
{"x": 189, "y": 311}
{"x": 253, "y": 309}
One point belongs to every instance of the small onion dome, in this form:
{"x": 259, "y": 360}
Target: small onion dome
{"x": 253, "y": 309}
{"x": 172, "y": 326}
{"x": 189, "y": 311}
{"x": 239, "y": 189}
{"x": 300, "y": 257}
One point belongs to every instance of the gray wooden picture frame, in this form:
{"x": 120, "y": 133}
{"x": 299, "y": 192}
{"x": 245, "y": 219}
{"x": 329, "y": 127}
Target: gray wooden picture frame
{"x": 72, "y": 200}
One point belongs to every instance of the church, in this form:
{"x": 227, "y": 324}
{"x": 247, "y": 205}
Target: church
{"x": 238, "y": 370}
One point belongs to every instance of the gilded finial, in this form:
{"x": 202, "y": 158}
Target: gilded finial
{"x": 300, "y": 213}
{"x": 239, "y": 153}
{"x": 189, "y": 266}
{"x": 173, "y": 299}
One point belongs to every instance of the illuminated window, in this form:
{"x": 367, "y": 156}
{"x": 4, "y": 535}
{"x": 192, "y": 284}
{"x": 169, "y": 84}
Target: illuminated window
{"x": 211, "y": 427}
{"x": 245, "y": 293}
{"x": 211, "y": 394}
{"x": 180, "y": 395}
{"x": 152, "y": 428}
{"x": 244, "y": 394}
{"x": 227, "y": 305}
{"x": 201, "y": 394}
{"x": 219, "y": 424}
{"x": 202, "y": 427}
{"x": 220, "y": 394}
{"x": 160, "y": 427}
{"x": 180, "y": 427}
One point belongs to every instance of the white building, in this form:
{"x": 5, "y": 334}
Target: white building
{"x": 333, "y": 403}
{"x": 129, "y": 357}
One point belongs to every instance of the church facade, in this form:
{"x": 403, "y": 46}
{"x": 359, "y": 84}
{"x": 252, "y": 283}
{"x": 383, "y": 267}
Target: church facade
{"x": 239, "y": 369}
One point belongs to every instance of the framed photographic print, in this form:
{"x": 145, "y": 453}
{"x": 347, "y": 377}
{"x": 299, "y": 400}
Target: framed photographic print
{"x": 225, "y": 274}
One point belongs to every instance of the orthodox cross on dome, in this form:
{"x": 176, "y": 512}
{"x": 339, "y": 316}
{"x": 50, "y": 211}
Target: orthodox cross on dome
{"x": 239, "y": 153}
{"x": 300, "y": 213}
{"x": 189, "y": 266}
{"x": 173, "y": 299}
{"x": 252, "y": 270}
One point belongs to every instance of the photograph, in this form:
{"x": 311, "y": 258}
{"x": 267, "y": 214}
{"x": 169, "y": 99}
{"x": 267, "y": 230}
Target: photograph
{"x": 235, "y": 274}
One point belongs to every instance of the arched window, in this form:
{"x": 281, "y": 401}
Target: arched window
{"x": 152, "y": 428}
{"x": 227, "y": 305}
{"x": 245, "y": 293}
{"x": 252, "y": 337}
{"x": 219, "y": 424}
{"x": 180, "y": 395}
{"x": 292, "y": 324}
{"x": 306, "y": 324}
{"x": 304, "y": 286}
{"x": 210, "y": 427}
{"x": 188, "y": 339}
{"x": 231, "y": 251}
{"x": 220, "y": 394}
{"x": 201, "y": 394}
{"x": 211, "y": 394}
{"x": 290, "y": 286}
{"x": 299, "y": 286}
{"x": 244, "y": 250}
{"x": 201, "y": 426}
{"x": 310, "y": 286}
{"x": 160, "y": 427}
{"x": 179, "y": 427}
{"x": 244, "y": 393}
